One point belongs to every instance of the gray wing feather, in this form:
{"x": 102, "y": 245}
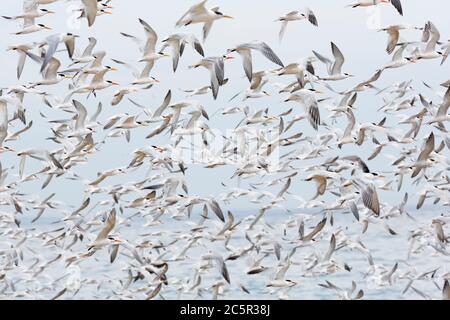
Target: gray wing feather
{"x": 339, "y": 59}
{"x": 314, "y": 116}
{"x": 267, "y": 52}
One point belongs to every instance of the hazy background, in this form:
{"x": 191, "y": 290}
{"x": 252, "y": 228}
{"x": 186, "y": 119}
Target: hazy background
{"x": 363, "y": 47}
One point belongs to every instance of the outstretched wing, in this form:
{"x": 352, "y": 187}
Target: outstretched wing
{"x": 314, "y": 115}
{"x": 311, "y": 17}
{"x": 53, "y": 42}
{"x": 370, "y": 199}
{"x": 195, "y": 9}
{"x": 398, "y": 5}
{"x": 90, "y": 7}
{"x": 152, "y": 37}
{"x": 339, "y": 59}
{"x": 109, "y": 225}
{"x": 267, "y": 52}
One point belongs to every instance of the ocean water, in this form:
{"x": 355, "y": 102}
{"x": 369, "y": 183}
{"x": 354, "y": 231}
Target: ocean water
{"x": 96, "y": 278}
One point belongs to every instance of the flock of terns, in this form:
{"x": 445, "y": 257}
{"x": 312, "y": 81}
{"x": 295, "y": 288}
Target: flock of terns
{"x": 309, "y": 244}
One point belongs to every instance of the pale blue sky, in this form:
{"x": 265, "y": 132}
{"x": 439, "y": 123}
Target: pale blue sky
{"x": 363, "y": 48}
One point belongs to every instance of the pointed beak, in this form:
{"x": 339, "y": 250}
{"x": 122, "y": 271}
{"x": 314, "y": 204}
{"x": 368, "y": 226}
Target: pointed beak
{"x": 115, "y": 84}
{"x": 51, "y": 12}
{"x": 48, "y": 28}
{"x": 107, "y": 12}
{"x": 114, "y": 69}
{"x": 228, "y": 17}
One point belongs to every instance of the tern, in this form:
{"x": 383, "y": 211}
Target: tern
{"x": 369, "y": 3}
{"x": 296, "y": 16}
{"x": 334, "y": 68}
{"x": 147, "y": 46}
{"x": 216, "y": 67}
{"x": 393, "y": 32}
{"x": 320, "y": 195}
{"x": 198, "y": 13}
{"x": 141, "y": 78}
{"x": 51, "y": 74}
{"x": 245, "y": 51}
{"x": 427, "y": 149}
{"x": 301, "y": 70}
{"x": 86, "y": 56}
{"x": 103, "y": 239}
{"x": 3, "y": 123}
{"x": 32, "y": 28}
{"x": 22, "y": 50}
{"x": 177, "y": 43}
{"x": 308, "y": 98}
{"x": 97, "y": 83}
{"x": 431, "y": 35}
{"x": 29, "y": 16}
{"x": 53, "y": 42}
